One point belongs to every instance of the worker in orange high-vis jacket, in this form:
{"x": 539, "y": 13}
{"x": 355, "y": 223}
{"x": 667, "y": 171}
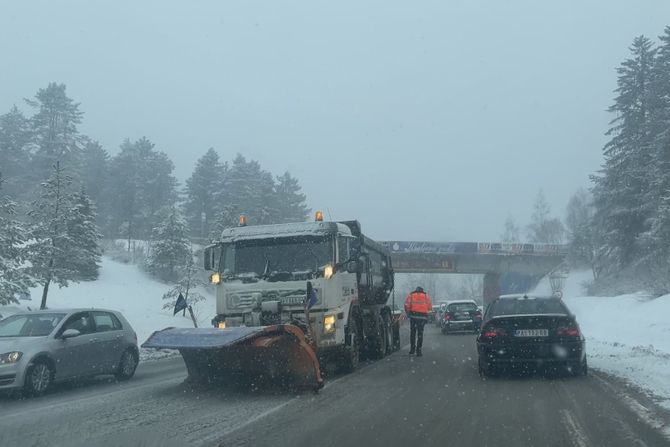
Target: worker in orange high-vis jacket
{"x": 417, "y": 307}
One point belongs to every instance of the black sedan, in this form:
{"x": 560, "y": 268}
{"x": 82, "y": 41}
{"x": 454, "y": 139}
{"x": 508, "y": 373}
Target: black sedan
{"x": 461, "y": 316}
{"x": 530, "y": 331}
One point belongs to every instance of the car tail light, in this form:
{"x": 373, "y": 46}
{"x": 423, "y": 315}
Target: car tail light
{"x": 447, "y": 316}
{"x": 494, "y": 332}
{"x": 572, "y": 331}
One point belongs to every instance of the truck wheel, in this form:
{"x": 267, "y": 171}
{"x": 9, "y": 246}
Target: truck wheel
{"x": 351, "y": 351}
{"x": 395, "y": 331}
{"x": 378, "y": 340}
{"x": 387, "y": 334}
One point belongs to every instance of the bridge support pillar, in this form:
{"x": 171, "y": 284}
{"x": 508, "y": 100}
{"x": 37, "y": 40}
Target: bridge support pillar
{"x": 491, "y": 287}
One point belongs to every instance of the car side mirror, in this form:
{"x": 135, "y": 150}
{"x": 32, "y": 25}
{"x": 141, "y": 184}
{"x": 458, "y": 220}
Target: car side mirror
{"x": 70, "y": 333}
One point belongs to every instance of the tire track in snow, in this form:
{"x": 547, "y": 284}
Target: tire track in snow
{"x": 577, "y": 434}
{"x": 642, "y": 412}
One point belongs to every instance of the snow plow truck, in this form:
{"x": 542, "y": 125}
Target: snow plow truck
{"x": 288, "y": 297}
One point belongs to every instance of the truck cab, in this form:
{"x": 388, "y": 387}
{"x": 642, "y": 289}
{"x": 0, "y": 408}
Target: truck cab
{"x": 265, "y": 273}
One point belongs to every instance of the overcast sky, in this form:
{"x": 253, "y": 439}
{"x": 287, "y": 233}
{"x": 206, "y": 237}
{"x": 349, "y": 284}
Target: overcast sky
{"x": 424, "y": 120}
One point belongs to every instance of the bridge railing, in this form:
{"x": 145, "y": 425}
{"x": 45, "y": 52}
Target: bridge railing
{"x": 474, "y": 248}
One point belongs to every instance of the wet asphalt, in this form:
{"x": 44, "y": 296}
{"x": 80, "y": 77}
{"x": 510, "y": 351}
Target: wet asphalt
{"x": 436, "y": 400}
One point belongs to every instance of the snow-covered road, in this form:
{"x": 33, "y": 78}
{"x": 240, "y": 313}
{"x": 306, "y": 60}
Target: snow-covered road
{"x": 155, "y": 408}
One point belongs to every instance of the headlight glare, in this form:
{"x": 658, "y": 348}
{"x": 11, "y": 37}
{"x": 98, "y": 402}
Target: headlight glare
{"x": 215, "y": 278}
{"x": 329, "y": 324}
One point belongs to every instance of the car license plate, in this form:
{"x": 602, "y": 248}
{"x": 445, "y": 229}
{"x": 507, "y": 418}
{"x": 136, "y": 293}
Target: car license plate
{"x": 531, "y": 333}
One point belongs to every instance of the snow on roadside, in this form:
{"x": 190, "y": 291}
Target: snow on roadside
{"x": 627, "y": 336}
{"x": 122, "y": 287}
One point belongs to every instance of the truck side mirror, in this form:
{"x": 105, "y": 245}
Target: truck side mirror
{"x": 208, "y": 258}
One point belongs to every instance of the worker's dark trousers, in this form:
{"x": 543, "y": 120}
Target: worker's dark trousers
{"x": 416, "y": 332}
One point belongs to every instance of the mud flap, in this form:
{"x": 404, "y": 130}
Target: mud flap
{"x": 276, "y": 354}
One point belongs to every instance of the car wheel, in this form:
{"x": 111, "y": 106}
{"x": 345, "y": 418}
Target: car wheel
{"x": 579, "y": 369}
{"x": 485, "y": 369}
{"x": 38, "y": 378}
{"x": 127, "y": 365}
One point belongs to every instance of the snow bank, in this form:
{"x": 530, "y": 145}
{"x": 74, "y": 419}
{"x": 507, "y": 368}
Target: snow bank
{"x": 122, "y": 287}
{"x": 627, "y": 335}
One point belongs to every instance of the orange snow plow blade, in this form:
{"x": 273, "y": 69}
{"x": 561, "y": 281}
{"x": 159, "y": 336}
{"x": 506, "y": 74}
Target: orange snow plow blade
{"x": 272, "y": 354}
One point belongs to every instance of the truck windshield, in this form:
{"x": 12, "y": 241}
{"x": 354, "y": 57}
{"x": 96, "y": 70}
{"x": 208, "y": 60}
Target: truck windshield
{"x": 290, "y": 255}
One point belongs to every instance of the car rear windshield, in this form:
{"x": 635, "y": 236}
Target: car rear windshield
{"x": 37, "y": 325}
{"x": 462, "y": 307}
{"x": 525, "y": 306}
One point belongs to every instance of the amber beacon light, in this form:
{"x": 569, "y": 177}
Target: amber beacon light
{"x": 318, "y": 216}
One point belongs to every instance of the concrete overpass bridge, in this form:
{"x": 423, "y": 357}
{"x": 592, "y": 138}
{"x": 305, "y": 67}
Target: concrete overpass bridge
{"x": 507, "y": 267}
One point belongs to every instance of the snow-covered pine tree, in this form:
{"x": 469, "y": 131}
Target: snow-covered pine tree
{"x": 54, "y": 124}
{"x": 15, "y": 138}
{"x": 542, "y": 227}
{"x": 95, "y": 178}
{"x": 158, "y": 186}
{"x": 83, "y": 229}
{"x": 226, "y": 218}
{"x": 290, "y": 201}
{"x": 188, "y": 285}
{"x": 51, "y": 247}
{"x": 250, "y": 190}
{"x": 204, "y": 194}
{"x": 622, "y": 208}
{"x": 123, "y": 189}
{"x": 265, "y": 186}
{"x": 656, "y": 241}
{"x": 169, "y": 247}
{"x": 582, "y": 236}
{"x": 511, "y": 232}
{"x": 14, "y": 276}
{"x": 141, "y": 184}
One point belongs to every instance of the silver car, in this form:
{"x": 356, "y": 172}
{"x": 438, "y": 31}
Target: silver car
{"x": 43, "y": 347}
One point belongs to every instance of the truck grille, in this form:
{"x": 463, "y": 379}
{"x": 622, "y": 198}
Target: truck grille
{"x": 253, "y": 298}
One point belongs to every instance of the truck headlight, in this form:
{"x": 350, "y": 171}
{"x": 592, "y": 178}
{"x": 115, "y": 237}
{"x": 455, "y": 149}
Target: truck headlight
{"x": 329, "y": 324}
{"x": 10, "y": 357}
{"x": 215, "y": 278}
